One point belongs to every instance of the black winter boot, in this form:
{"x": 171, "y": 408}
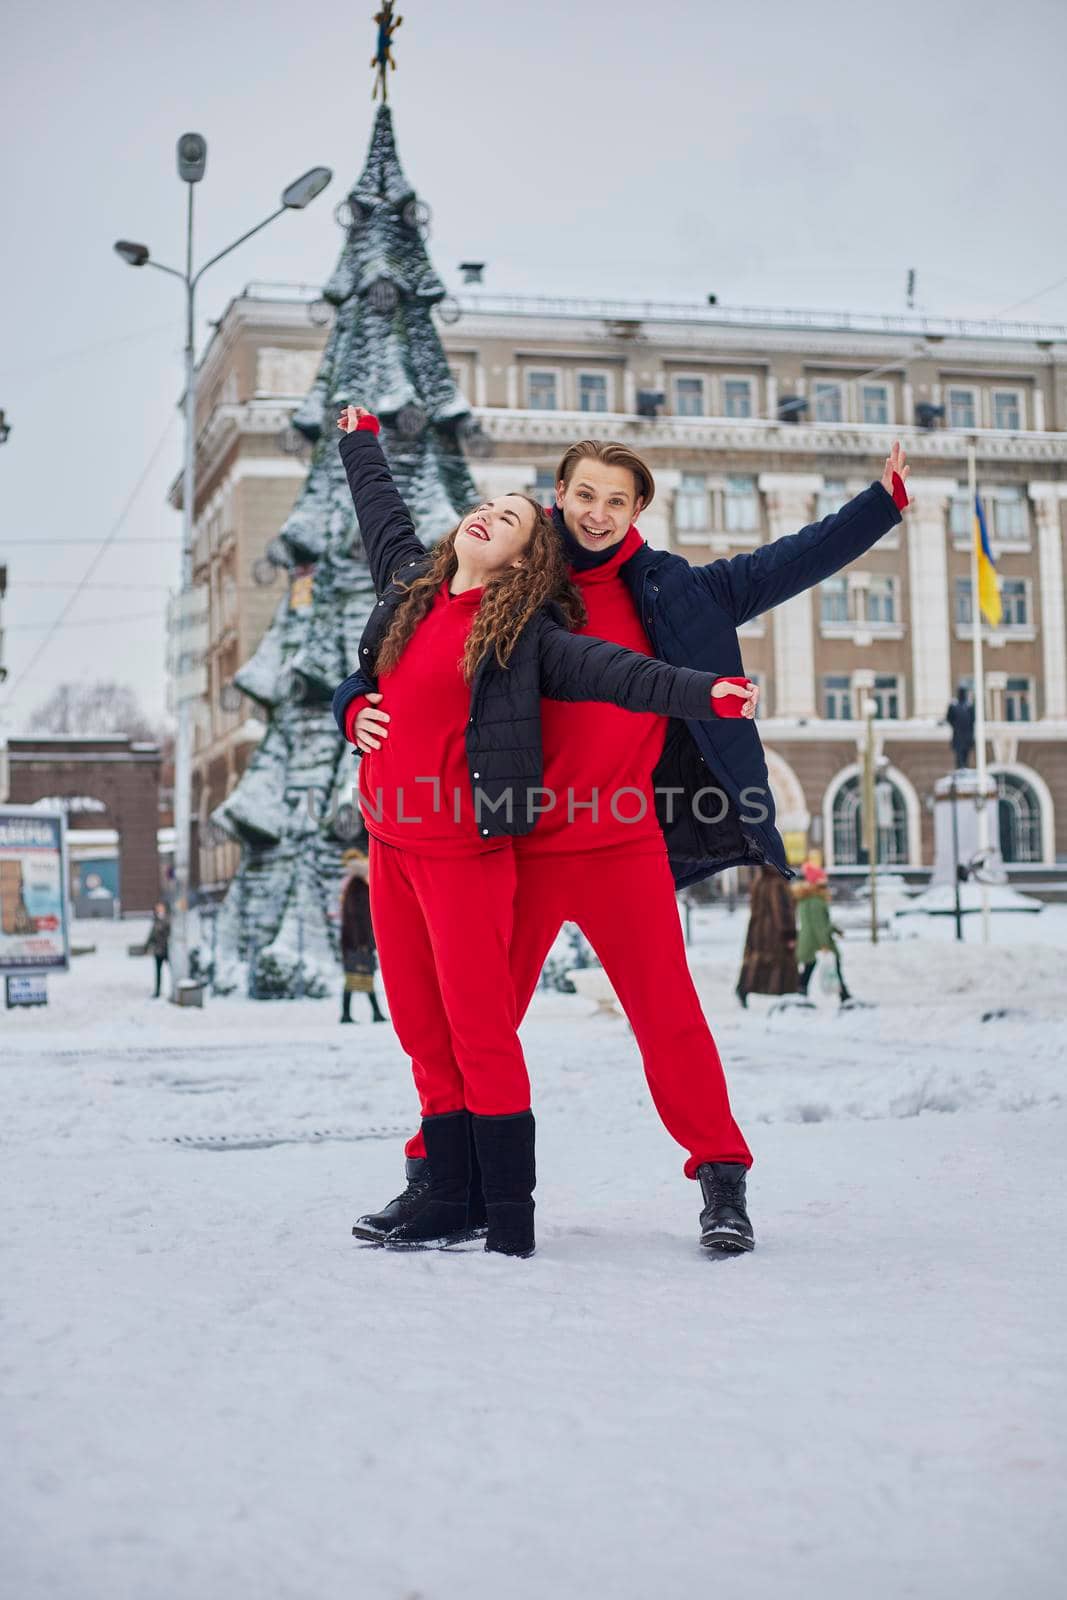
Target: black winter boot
{"x": 377, "y": 1224}
{"x": 446, "y": 1215}
{"x": 377, "y": 1014}
{"x": 505, "y": 1147}
{"x": 724, "y": 1223}
{"x": 346, "y": 1006}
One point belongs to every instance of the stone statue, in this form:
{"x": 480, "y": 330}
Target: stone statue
{"x": 383, "y": 55}
{"x": 960, "y": 718}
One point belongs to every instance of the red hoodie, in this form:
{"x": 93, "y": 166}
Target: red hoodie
{"x": 599, "y": 750}
{"x": 428, "y": 702}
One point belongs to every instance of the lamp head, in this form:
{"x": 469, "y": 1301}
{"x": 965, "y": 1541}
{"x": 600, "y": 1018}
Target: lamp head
{"x": 135, "y": 254}
{"x": 192, "y": 157}
{"x": 304, "y": 190}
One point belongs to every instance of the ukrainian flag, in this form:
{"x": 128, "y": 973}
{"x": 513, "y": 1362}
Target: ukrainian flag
{"x": 988, "y": 586}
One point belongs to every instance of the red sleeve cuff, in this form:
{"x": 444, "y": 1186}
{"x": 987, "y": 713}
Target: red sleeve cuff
{"x": 368, "y": 424}
{"x": 352, "y": 711}
{"x": 900, "y": 494}
{"x": 730, "y": 705}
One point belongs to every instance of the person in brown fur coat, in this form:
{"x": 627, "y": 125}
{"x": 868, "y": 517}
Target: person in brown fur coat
{"x": 770, "y": 962}
{"x": 358, "y": 954}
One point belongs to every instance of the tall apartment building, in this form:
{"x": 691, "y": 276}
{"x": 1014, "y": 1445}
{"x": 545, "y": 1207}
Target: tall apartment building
{"x": 754, "y": 423}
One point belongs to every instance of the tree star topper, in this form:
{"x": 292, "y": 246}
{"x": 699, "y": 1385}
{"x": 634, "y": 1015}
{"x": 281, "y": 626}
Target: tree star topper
{"x": 383, "y": 56}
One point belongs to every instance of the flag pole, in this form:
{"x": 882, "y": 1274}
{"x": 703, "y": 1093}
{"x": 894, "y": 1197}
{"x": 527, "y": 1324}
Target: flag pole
{"x": 979, "y": 687}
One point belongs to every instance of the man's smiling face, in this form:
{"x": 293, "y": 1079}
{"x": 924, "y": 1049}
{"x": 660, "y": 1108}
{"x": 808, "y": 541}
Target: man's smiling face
{"x": 599, "y": 503}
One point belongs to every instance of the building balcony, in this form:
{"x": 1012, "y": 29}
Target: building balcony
{"x": 549, "y": 430}
{"x": 997, "y": 638}
{"x": 862, "y": 633}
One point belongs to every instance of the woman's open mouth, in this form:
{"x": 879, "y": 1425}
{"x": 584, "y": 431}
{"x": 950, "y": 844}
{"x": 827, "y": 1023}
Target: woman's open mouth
{"x": 478, "y": 530}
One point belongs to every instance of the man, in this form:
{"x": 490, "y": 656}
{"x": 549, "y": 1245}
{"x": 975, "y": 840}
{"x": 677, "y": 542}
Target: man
{"x": 637, "y": 807}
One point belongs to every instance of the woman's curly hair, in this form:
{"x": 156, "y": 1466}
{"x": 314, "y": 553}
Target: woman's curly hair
{"x": 512, "y": 596}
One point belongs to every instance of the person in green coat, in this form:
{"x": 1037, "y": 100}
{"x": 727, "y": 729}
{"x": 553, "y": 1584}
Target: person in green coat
{"x": 815, "y": 931}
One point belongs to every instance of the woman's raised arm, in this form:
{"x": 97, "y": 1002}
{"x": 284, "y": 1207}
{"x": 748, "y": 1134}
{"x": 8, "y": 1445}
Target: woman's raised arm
{"x": 578, "y": 667}
{"x": 385, "y": 524}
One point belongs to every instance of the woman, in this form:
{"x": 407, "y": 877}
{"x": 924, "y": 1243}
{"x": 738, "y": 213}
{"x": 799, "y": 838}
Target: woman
{"x": 815, "y": 931}
{"x": 769, "y": 965}
{"x": 357, "y": 937}
{"x": 462, "y": 644}
{"x": 158, "y": 942}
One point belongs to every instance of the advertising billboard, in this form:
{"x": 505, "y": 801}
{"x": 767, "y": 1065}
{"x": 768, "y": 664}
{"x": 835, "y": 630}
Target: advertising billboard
{"x": 34, "y": 907}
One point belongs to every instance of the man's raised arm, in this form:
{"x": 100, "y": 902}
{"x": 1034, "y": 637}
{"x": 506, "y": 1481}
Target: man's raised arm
{"x": 749, "y": 584}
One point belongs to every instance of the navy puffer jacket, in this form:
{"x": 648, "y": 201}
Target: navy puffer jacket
{"x": 691, "y": 615}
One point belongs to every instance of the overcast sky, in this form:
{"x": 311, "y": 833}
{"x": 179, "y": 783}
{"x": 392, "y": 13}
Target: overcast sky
{"x": 775, "y": 153}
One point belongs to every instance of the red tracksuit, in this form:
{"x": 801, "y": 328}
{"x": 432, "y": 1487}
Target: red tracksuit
{"x": 612, "y": 878}
{"x": 442, "y": 901}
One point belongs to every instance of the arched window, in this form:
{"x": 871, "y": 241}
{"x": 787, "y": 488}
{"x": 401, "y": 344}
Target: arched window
{"x": 849, "y": 848}
{"x": 1019, "y": 816}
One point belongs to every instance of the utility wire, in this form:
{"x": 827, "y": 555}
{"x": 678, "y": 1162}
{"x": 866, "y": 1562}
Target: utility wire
{"x": 60, "y": 357}
{"x": 86, "y": 622}
{"x": 106, "y": 588}
{"x": 104, "y": 546}
{"x": 1027, "y": 299}
{"x": 45, "y": 544}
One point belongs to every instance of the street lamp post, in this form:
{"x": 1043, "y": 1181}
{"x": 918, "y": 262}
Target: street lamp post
{"x": 192, "y": 163}
{"x": 869, "y": 810}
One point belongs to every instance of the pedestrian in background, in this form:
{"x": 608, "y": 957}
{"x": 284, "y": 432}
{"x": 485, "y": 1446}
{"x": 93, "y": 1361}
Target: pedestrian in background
{"x": 158, "y": 942}
{"x": 769, "y": 965}
{"x": 358, "y": 954}
{"x": 815, "y": 931}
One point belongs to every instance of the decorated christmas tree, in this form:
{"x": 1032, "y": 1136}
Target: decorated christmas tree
{"x": 293, "y": 810}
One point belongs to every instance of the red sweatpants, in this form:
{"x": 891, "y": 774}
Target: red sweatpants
{"x": 624, "y": 902}
{"x": 443, "y": 926}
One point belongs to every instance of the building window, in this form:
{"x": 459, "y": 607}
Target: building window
{"x": 882, "y": 600}
{"x": 962, "y": 410}
{"x": 592, "y": 391}
{"x": 886, "y": 696}
{"x": 892, "y": 829}
{"x": 1007, "y": 412}
{"x": 741, "y": 504}
{"x": 1019, "y": 700}
{"x": 541, "y": 391}
{"x": 831, "y": 498}
{"x": 875, "y": 401}
{"x": 229, "y": 600}
{"x": 837, "y": 698}
{"x": 544, "y": 489}
{"x": 964, "y": 609}
{"x": 1019, "y": 815}
{"x": 827, "y": 402}
{"x": 834, "y": 593}
{"x": 737, "y": 397}
{"x": 691, "y": 504}
{"x": 1014, "y": 602}
{"x": 960, "y": 520}
{"x": 689, "y": 397}
{"x": 1009, "y": 515}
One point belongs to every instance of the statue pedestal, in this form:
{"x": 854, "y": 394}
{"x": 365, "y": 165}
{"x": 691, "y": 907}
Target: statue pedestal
{"x": 960, "y": 793}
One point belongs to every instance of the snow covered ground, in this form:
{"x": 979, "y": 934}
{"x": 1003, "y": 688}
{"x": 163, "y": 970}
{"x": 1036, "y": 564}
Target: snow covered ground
{"x": 210, "y": 1390}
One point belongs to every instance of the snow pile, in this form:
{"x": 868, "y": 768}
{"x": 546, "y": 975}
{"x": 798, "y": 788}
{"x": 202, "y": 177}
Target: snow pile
{"x": 210, "y": 1389}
